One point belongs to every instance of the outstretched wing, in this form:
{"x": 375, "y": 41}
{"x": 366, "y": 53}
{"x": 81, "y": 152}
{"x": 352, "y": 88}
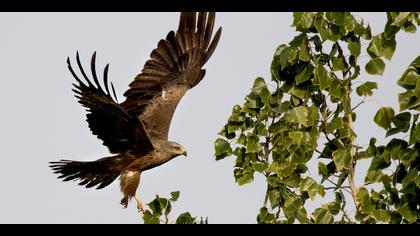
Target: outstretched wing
{"x": 174, "y": 67}
{"x": 118, "y": 130}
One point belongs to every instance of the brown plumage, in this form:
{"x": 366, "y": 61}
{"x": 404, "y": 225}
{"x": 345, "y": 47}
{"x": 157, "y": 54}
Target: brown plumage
{"x": 136, "y": 130}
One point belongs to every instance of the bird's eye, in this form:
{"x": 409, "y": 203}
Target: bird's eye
{"x": 177, "y": 148}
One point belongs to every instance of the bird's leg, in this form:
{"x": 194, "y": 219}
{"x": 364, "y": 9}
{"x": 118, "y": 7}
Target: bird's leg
{"x": 140, "y": 206}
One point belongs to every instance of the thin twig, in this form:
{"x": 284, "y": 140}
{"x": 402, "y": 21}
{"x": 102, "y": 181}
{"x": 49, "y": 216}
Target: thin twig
{"x": 343, "y": 187}
{"x": 360, "y": 103}
{"x": 345, "y": 214}
{"x": 337, "y": 186}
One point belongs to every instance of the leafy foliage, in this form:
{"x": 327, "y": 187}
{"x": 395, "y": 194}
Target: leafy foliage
{"x": 309, "y": 115}
{"x": 160, "y": 208}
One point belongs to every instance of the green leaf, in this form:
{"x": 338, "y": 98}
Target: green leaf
{"x": 304, "y": 52}
{"x": 349, "y": 23}
{"x": 311, "y": 186}
{"x": 225, "y": 132}
{"x": 156, "y": 206}
{"x": 322, "y": 216}
{"x": 383, "y": 117}
{"x": 401, "y": 122}
{"x": 400, "y": 19}
{"x": 336, "y": 123}
{"x": 166, "y": 205}
{"x": 410, "y": 28}
{"x": 149, "y": 218}
{"x": 297, "y": 158}
{"x": 222, "y": 149}
{"x": 274, "y": 197}
{"x": 302, "y": 216}
{"x": 337, "y": 89}
{"x": 380, "y": 46}
{"x": 313, "y": 115}
{"x": 284, "y": 107}
{"x": 332, "y": 207}
{"x": 375, "y": 66}
{"x": 407, "y": 100}
{"x": 286, "y": 55}
{"x": 185, "y": 218}
{"x": 297, "y": 92}
{"x": 373, "y": 176}
{"x": 408, "y": 182}
{"x": 298, "y": 115}
{"x": 174, "y": 196}
{"x": 317, "y": 42}
{"x": 409, "y": 78}
{"x": 253, "y": 101}
{"x": 265, "y": 96}
{"x": 406, "y": 212}
{"x": 362, "y": 31}
{"x": 303, "y": 20}
{"x": 296, "y": 136}
{"x": 238, "y": 118}
{"x": 362, "y": 196}
{"x": 275, "y": 64}
{"x": 322, "y": 169}
{"x": 345, "y": 132}
{"x": 379, "y": 162}
{"x": 413, "y": 132}
{"x": 236, "y": 110}
{"x": 366, "y": 88}
{"x": 339, "y": 64}
{"x": 342, "y": 159}
{"x": 291, "y": 205}
{"x": 234, "y": 126}
{"x": 305, "y": 74}
{"x": 259, "y": 84}
{"x": 417, "y": 132}
{"x": 298, "y": 40}
{"x": 354, "y": 46}
{"x": 252, "y": 145}
{"x": 265, "y": 217}
{"x": 324, "y": 77}
{"x": 323, "y": 28}
{"x": 381, "y": 215}
{"x": 245, "y": 179}
{"x": 336, "y": 17}
{"x": 260, "y": 167}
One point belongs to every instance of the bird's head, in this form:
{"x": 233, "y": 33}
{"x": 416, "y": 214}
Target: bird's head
{"x": 175, "y": 149}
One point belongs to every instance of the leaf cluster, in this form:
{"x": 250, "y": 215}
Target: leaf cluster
{"x": 159, "y": 209}
{"x": 306, "y": 112}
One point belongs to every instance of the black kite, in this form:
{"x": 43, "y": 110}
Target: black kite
{"x": 136, "y": 130}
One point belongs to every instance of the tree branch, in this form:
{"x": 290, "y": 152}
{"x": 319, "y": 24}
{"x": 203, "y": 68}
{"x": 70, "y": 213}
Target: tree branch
{"x": 351, "y": 171}
{"x": 266, "y": 196}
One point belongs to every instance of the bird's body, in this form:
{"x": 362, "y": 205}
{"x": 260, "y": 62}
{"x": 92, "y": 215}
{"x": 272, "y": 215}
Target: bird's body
{"x": 136, "y": 130}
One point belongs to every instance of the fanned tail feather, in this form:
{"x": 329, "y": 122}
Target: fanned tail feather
{"x": 88, "y": 173}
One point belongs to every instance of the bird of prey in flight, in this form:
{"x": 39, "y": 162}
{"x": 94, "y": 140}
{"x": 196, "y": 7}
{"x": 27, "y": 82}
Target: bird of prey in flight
{"x": 136, "y": 130}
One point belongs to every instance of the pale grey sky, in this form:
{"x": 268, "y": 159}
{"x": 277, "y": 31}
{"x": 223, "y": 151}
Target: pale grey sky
{"x": 41, "y": 121}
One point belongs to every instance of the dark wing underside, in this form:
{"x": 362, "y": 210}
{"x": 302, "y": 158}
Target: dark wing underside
{"x": 118, "y": 130}
{"x": 174, "y": 67}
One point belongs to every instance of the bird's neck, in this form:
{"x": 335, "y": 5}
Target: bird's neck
{"x": 157, "y": 158}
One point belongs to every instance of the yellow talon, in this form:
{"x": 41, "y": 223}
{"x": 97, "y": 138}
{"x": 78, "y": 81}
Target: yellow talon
{"x": 140, "y": 206}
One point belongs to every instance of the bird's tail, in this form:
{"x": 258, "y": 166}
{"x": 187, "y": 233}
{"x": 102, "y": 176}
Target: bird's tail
{"x": 101, "y": 172}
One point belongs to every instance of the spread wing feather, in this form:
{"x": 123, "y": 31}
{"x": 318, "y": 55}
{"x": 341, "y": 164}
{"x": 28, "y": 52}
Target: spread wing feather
{"x": 118, "y": 130}
{"x": 174, "y": 67}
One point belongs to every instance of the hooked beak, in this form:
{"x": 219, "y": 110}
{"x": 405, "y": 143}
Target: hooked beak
{"x": 185, "y": 153}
